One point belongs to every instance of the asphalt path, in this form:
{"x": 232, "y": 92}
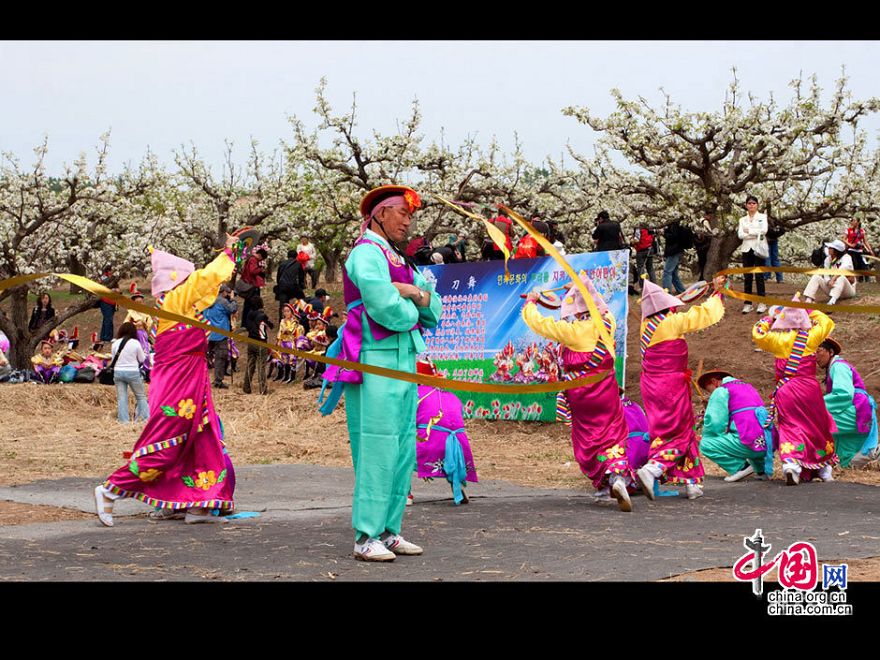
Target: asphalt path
{"x": 507, "y": 532}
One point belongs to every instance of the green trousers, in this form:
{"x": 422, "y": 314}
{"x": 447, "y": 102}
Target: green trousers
{"x": 729, "y": 453}
{"x": 381, "y": 416}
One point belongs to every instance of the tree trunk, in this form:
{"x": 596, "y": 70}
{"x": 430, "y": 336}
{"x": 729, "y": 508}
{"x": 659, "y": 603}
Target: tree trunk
{"x": 20, "y": 346}
{"x": 331, "y": 263}
{"x": 721, "y": 249}
{"x": 76, "y": 268}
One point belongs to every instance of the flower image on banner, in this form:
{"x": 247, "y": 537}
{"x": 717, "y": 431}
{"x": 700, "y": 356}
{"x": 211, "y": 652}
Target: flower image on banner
{"x": 481, "y": 336}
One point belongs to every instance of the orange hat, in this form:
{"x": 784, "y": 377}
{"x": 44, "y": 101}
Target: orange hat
{"x": 376, "y": 195}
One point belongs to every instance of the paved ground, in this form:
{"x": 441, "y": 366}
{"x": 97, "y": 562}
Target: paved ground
{"x": 506, "y": 533}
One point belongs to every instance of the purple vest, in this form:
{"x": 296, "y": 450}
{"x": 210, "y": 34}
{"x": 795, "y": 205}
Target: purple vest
{"x": 864, "y": 411}
{"x": 352, "y": 336}
{"x": 741, "y": 404}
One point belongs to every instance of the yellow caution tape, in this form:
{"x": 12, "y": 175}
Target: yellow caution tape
{"x": 434, "y": 381}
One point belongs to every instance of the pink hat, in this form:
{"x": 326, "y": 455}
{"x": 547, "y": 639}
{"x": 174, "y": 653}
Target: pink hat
{"x": 573, "y": 303}
{"x": 792, "y": 318}
{"x": 168, "y": 271}
{"x": 655, "y": 299}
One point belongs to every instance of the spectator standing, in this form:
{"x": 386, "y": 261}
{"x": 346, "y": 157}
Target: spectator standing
{"x": 702, "y": 243}
{"x": 643, "y": 244}
{"x": 253, "y": 279}
{"x": 219, "y": 315}
{"x": 752, "y": 231}
{"x": 607, "y": 234}
{"x": 127, "y": 373}
{"x": 107, "y": 306}
{"x": 289, "y": 281}
{"x": 309, "y": 264}
{"x": 43, "y": 312}
{"x": 528, "y": 247}
{"x": 257, "y": 325}
{"x": 857, "y": 244}
{"x": 676, "y": 240}
{"x": 774, "y": 231}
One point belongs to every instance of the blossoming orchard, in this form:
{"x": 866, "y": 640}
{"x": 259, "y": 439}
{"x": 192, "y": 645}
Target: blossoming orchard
{"x": 808, "y": 161}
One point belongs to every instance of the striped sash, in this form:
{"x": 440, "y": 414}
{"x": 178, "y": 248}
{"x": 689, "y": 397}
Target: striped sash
{"x": 563, "y": 408}
{"x": 651, "y": 325}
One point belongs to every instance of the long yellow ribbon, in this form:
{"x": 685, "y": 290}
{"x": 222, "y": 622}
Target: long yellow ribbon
{"x": 497, "y": 236}
{"x": 443, "y": 383}
{"x": 853, "y": 309}
{"x": 595, "y": 317}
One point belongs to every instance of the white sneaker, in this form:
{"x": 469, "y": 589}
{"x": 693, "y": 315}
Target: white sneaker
{"x": 646, "y": 481}
{"x": 825, "y": 473}
{"x": 792, "y": 474}
{"x": 747, "y": 471}
{"x": 693, "y": 491}
{"x": 747, "y": 308}
{"x": 207, "y": 517}
{"x": 372, "y": 550}
{"x": 618, "y": 490}
{"x": 400, "y": 546}
{"x": 761, "y": 308}
{"x": 832, "y": 301}
{"x": 104, "y": 506}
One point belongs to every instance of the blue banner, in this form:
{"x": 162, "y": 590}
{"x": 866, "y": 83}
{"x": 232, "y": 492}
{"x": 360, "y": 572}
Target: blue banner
{"x": 482, "y": 337}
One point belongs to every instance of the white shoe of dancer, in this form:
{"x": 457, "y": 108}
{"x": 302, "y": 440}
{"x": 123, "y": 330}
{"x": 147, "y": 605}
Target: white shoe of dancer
{"x": 825, "y": 473}
{"x": 194, "y": 518}
{"x": 646, "y": 476}
{"x": 747, "y": 471}
{"x": 104, "y": 505}
{"x": 618, "y": 490}
{"x": 792, "y": 473}
{"x": 693, "y": 491}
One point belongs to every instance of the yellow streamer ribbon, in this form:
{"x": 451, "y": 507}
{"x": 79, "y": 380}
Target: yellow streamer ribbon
{"x": 497, "y": 236}
{"x": 595, "y": 317}
{"x": 444, "y": 383}
{"x": 853, "y": 309}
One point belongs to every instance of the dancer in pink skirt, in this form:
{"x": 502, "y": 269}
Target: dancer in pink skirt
{"x": 179, "y": 462}
{"x": 598, "y": 428}
{"x": 674, "y": 454}
{"x": 442, "y": 447}
{"x": 804, "y": 428}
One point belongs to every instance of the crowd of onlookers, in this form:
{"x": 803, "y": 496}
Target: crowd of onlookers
{"x": 306, "y": 323}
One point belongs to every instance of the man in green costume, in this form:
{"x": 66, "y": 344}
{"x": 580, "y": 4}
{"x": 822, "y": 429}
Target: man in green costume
{"x": 388, "y": 302}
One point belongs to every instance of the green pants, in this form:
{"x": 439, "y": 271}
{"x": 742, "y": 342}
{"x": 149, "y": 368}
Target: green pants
{"x": 381, "y": 420}
{"x": 729, "y": 453}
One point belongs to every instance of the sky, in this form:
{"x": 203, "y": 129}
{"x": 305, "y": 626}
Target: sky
{"x": 162, "y": 94}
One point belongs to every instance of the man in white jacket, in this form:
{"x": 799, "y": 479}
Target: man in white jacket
{"x": 837, "y": 287}
{"x": 753, "y": 230}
